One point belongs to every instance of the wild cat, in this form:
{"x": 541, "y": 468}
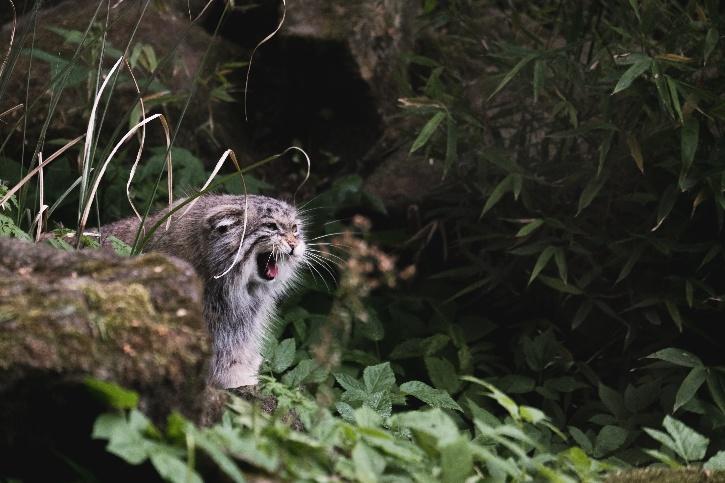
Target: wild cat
{"x": 238, "y": 302}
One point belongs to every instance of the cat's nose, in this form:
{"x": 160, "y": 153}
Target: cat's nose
{"x": 292, "y": 242}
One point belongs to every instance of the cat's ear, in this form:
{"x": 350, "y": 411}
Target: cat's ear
{"x": 221, "y": 219}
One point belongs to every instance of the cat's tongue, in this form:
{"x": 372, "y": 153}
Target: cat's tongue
{"x": 271, "y": 270}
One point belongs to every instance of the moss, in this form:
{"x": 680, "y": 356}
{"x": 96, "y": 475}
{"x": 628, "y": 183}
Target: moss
{"x": 667, "y": 475}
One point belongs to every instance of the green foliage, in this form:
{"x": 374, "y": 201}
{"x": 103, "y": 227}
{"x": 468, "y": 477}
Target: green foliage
{"x": 421, "y": 445}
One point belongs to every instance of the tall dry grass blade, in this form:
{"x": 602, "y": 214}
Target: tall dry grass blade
{"x": 42, "y": 205}
{"x": 86, "y": 161}
{"x": 141, "y": 143}
{"x": 251, "y": 57}
{"x": 101, "y": 172}
{"x": 40, "y": 166}
{"x": 11, "y": 110}
{"x": 12, "y": 38}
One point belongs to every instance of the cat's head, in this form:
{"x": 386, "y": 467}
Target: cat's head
{"x": 271, "y": 234}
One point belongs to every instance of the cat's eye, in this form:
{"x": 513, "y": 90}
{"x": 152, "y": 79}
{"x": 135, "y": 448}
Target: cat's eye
{"x": 272, "y": 226}
{"x": 223, "y": 228}
{"x": 294, "y": 228}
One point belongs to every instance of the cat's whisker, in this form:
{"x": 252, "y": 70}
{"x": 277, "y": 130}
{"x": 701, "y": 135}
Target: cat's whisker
{"x": 324, "y": 263}
{"x": 322, "y": 254}
{"x": 312, "y": 267}
{"x": 328, "y": 235}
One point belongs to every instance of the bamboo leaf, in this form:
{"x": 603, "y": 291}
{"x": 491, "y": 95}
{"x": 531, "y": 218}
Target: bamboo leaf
{"x": 689, "y": 137}
{"x": 530, "y": 227}
{"x": 541, "y": 262}
{"x": 690, "y": 386}
{"x": 672, "y": 86}
{"x": 560, "y": 260}
{"x": 512, "y": 73}
{"x": 631, "y": 74}
{"x": 427, "y": 131}
{"x": 667, "y": 202}
{"x": 674, "y": 314}
{"x": 501, "y": 189}
{"x": 636, "y": 151}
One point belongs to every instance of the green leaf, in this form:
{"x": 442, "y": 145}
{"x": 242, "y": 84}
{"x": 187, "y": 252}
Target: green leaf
{"x": 433, "y": 397}
{"x": 379, "y": 378}
{"x": 560, "y": 286}
{"x": 581, "y": 439}
{"x": 434, "y": 422}
{"x": 512, "y": 73}
{"x": 609, "y": 439}
{"x": 689, "y": 386}
{"x": 112, "y": 394}
{"x": 674, "y": 314}
{"x": 442, "y": 374}
{"x": 612, "y": 399}
{"x": 689, "y": 138}
{"x": 456, "y": 460}
{"x": 120, "y": 247}
{"x": 173, "y": 469}
{"x": 635, "y": 7}
{"x": 716, "y": 463}
{"x": 501, "y": 189}
{"x": 677, "y": 357}
{"x": 675, "y": 97}
{"x": 590, "y": 192}
{"x": 217, "y": 453}
{"x": 284, "y": 355}
{"x": 581, "y": 314}
{"x": 627, "y": 267}
{"x": 529, "y": 228}
{"x": 710, "y": 42}
{"x": 430, "y": 127}
{"x": 688, "y": 444}
{"x": 635, "y": 150}
{"x": 541, "y": 262}
{"x": 636, "y": 70}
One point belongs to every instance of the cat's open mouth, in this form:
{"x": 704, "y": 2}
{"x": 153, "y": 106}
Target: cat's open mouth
{"x": 267, "y": 267}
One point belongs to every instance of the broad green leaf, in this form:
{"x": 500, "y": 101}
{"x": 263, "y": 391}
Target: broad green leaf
{"x": 609, "y": 439}
{"x": 430, "y": 127}
{"x": 348, "y": 382}
{"x": 612, "y": 399}
{"x": 662, "y": 457}
{"x": 493, "y": 392}
{"x": 456, "y": 460}
{"x": 379, "y": 378}
{"x": 217, "y": 453}
{"x": 512, "y": 73}
{"x": 420, "y": 347}
{"x": 173, "y": 469}
{"x": 677, "y": 357}
{"x": 716, "y": 462}
{"x": 433, "y": 397}
{"x": 689, "y": 386}
{"x": 636, "y": 70}
{"x": 710, "y": 42}
{"x": 636, "y": 151}
{"x": 501, "y": 189}
{"x": 442, "y": 374}
{"x": 688, "y": 444}
{"x": 581, "y": 439}
{"x": 714, "y": 385}
{"x": 112, "y": 394}
{"x": 283, "y": 356}
{"x": 433, "y": 422}
{"x": 541, "y": 262}
{"x": 530, "y": 227}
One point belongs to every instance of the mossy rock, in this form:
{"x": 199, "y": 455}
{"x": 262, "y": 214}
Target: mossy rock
{"x": 133, "y": 321}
